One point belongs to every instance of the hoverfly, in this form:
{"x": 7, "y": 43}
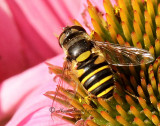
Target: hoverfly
{"x": 91, "y": 65}
{"x": 90, "y": 61}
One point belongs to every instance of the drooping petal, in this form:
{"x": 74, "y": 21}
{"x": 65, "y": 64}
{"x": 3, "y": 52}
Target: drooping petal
{"x": 35, "y": 109}
{"x": 12, "y": 57}
{"x": 28, "y": 30}
{"x": 29, "y": 85}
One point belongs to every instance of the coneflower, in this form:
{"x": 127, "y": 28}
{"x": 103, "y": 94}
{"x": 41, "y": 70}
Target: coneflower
{"x": 136, "y": 100}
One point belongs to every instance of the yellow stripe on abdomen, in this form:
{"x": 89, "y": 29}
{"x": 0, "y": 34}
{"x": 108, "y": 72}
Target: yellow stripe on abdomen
{"x": 99, "y": 83}
{"x": 105, "y": 91}
{"x": 94, "y": 72}
{"x": 83, "y": 56}
{"x": 80, "y": 72}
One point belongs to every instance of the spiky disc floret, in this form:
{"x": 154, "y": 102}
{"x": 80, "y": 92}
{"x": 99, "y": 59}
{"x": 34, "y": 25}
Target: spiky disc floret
{"x": 131, "y": 23}
{"x": 123, "y": 108}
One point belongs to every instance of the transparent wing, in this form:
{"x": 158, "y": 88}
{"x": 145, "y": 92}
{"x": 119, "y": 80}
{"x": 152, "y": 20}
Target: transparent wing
{"x": 121, "y": 55}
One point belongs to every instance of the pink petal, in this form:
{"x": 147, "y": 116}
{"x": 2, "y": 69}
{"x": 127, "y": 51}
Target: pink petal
{"x": 27, "y": 32}
{"x": 25, "y": 91}
{"x": 11, "y": 49}
{"x": 35, "y": 110}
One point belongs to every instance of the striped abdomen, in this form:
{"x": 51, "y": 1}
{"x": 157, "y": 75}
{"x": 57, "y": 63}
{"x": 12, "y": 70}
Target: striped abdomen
{"x": 93, "y": 71}
{"x": 96, "y": 76}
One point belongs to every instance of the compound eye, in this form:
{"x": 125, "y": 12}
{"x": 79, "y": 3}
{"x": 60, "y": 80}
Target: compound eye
{"x": 61, "y": 38}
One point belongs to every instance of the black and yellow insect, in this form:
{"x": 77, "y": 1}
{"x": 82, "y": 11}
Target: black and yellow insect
{"x": 91, "y": 67}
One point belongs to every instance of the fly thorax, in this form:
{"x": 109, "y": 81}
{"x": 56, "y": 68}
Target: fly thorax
{"x": 80, "y": 50}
